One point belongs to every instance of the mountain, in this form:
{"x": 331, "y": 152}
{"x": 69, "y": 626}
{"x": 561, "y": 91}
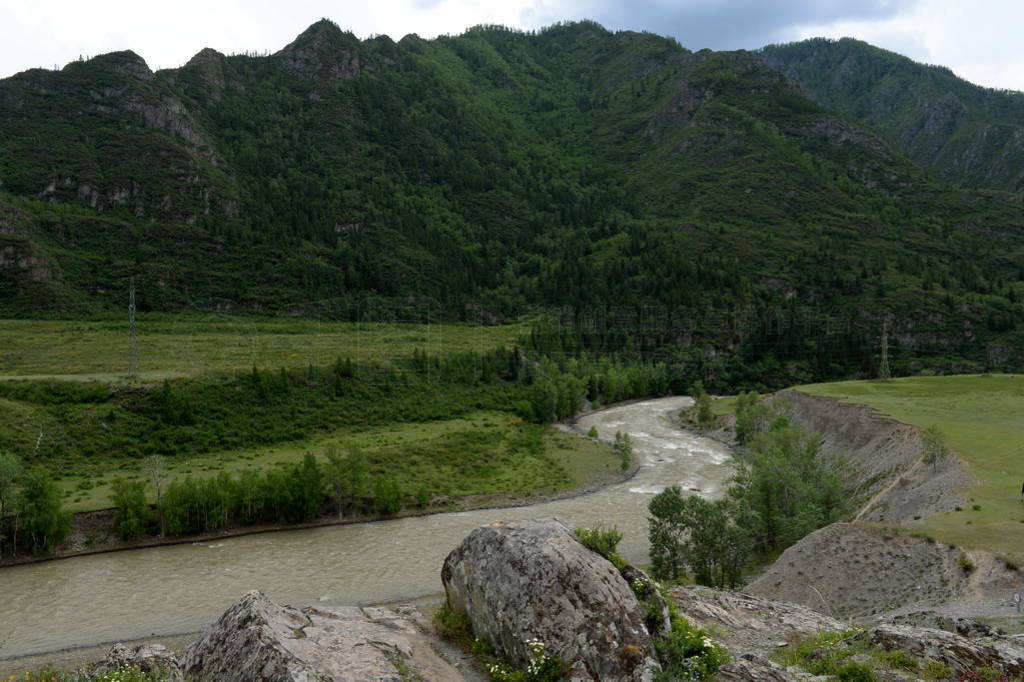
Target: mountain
{"x": 573, "y": 167}
{"x": 967, "y": 134}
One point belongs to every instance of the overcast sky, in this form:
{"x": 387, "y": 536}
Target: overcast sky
{"x": 978, "y": 39}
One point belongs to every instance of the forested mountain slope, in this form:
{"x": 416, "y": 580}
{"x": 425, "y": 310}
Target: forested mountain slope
{"x": 570, "y": 167}
{"x": 970, "y": 135}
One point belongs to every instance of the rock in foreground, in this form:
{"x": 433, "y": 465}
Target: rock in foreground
{"x": 749, "y": 624}
{"x": 148, "y": 658}
{"x": 958, "y": 652}
{"x": 533, "y": 580}
{"x": 257, "y": 639}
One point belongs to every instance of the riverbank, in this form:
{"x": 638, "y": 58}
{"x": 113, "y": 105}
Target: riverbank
{"x": 92, "y": 531}
{"x": 979, "y": 417}
{"x": 121, "y": 596}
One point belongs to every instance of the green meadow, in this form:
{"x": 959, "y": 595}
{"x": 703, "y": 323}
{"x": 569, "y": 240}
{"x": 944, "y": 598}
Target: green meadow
{"x": 190, "y": 345}
{"x": 482, "y": 453}
{"x": 66, "y": 405}
{"x": 982, "y": 417}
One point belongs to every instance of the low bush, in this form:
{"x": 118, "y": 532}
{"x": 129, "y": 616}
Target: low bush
{"x": 604, "y": 541}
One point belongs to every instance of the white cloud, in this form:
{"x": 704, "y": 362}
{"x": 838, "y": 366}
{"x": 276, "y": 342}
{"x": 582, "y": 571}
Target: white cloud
{"x": 979, "y": 41}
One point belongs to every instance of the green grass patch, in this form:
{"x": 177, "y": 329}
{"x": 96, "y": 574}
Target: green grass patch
{"x": 191, "y": 345}
{"x": 724, "y": 405}
{"x": 485, "y": 453}
{"x": 982, "y": 417}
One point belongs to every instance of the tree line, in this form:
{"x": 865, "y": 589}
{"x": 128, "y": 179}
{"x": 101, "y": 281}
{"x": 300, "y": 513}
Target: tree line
{"x": 31, "y": 516}
{"x": 295, "y": 493}
{"x": 785, "y": 488}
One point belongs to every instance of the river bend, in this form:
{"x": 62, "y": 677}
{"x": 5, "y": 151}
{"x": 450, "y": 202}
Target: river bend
{"x": 182, "y": 588}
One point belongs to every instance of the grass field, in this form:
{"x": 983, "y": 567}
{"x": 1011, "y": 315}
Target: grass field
{"x": 484, "y": 453}
{"x": 191, "y": 345}
{"x": 983, "y": 420}
{"x": 472, "y": 452}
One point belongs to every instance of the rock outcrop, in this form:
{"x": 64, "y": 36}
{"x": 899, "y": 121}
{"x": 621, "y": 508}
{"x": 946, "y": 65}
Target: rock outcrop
{"x": 753, "y": 668}
{"x": 148, "y": 658}
{"x": 958, "y": 652}
{"x": 257, "y": 639}
{"x": 966, "y": 627}
{"x": 751, "y": 625}
{"x": 324, "y": 53}
{"x": 533, "y": 580}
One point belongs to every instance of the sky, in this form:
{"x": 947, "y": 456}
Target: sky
{"x": 977, "y": 39}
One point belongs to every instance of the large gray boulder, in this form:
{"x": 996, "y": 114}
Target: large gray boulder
{"x": 257, "y": 640}
{"x": 533, "y": 580}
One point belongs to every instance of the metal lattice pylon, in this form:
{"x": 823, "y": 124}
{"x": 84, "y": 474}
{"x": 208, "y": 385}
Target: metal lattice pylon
{"x": 133, "y": 343}
{"x": 883, "y": 365}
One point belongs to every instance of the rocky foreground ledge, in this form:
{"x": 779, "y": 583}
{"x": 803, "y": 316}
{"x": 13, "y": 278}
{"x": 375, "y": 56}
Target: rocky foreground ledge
{"x": 533, "y": 581}
{"x": 257, "y": 639}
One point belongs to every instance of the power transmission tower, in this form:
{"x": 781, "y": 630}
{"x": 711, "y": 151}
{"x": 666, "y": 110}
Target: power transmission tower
{"x": 133, "y": 342}
{"x": 883, "y": 366}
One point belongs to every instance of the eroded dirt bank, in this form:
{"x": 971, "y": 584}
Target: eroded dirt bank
{"x": 878, "y": 566}
{"x": 881, "y": 459}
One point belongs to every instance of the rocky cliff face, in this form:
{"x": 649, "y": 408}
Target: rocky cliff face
{"x": 323, "y": 53}
{"x": 25, "y": 271}
{"x": 971, "y": 135}
{"x": 533, "y": 581}
{"x": 140, "y": 147}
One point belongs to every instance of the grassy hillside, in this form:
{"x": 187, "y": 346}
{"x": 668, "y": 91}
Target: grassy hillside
{"x": 491, "y": 173}
{"x": 982, "y": 417}
{"x": 967, "y": 134}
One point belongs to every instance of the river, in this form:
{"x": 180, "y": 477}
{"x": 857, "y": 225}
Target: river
{"x": 182, "y": 588}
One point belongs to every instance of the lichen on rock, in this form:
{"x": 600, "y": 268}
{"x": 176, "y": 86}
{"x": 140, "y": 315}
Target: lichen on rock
{"x": 532, "y": 580}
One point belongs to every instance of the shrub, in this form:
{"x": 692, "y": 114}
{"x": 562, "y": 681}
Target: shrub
{"x": 900, "y": 659}
{"x": 603, "y": 541}
{"x": 423, "y": 495}
{"x": 688, "y": 653}
{"x": 387, "y": 495}
{"x": 133, "y": 514}
{"x": 623, "y": 448}
{"x": 856, "y": 672}
{"x": 701, "y": 410}
{"x": 543, "y": 667}
{"x": 453, "y": 625}
{"x": 43, "y": 522}
{"x": 592, "y": 432}
{"x": 937, "y": 670}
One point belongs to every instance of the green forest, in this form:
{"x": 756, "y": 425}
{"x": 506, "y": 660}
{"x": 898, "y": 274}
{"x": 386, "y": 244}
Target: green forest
{"x": 658, "y": 199}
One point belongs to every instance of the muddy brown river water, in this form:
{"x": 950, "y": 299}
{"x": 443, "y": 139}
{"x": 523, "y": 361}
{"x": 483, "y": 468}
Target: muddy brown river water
{"x": 182, "y": 588}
